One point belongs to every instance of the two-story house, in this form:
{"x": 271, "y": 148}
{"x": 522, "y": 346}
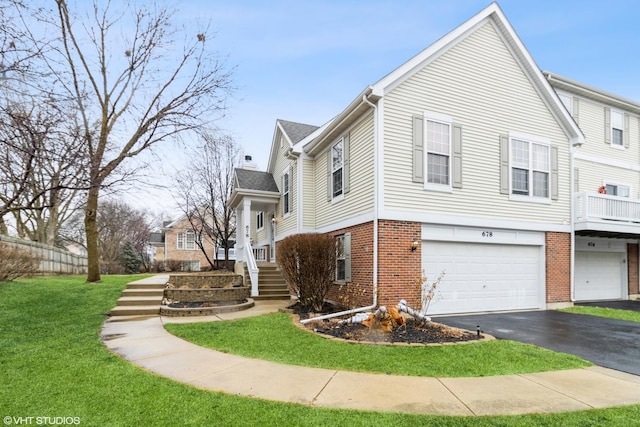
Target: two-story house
{"x": 180, "y": 246}
{"x": 464, "y": 160}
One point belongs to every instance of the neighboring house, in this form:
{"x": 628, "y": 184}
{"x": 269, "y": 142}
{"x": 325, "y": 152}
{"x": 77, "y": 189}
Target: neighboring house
{"x": 156, "y": 242}
{"x": 463, "y": 160}
{"x": 606, "y": 174}
{"x": 180, "y": 246}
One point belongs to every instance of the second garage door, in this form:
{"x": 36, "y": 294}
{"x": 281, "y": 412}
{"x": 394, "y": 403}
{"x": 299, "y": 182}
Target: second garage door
{"x": 599, "y": 275}
{"x": 483, "y": 277}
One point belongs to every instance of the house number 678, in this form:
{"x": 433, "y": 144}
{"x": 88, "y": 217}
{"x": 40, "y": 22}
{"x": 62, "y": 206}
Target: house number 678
{"x": 487, "y": 234}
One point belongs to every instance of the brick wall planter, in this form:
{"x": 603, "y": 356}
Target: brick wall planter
{"x": 219, "y": 292}
{"x": 204, "y": 280}
{"x": 205, "y": 311}
{"x": 208, "y": 294}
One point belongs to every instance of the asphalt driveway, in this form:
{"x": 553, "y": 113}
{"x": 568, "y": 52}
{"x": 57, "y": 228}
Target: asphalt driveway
{"x": 610, "y": 343}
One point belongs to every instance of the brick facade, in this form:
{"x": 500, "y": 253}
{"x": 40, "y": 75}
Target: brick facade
{"x": 632, "y": 268}
{"x": 172, "y": 253}
{"x": 399, "y": 268}
{"x": 558, "y": 267}
{"x": 358, "y": 293}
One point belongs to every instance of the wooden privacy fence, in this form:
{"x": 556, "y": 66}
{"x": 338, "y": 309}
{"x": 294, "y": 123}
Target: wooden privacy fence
{"x": 52, "y": 260}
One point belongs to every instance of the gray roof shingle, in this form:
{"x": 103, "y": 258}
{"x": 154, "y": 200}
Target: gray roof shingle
{"x": 156, "y": 238}
{"x": 296, "y": 131}
{"x": 255, "y": 180}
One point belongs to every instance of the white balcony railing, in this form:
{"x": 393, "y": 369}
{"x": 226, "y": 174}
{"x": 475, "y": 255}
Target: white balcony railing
{"x": 602, "y": 207}
{"x": 260, "y": 254}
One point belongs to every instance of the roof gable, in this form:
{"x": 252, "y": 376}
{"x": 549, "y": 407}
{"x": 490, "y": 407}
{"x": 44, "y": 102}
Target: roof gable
{"x": 292, "y": 133}
{"x": 254, "y": 180}
{"x": 496, "y": 17}
{"x": 296, "y": 132}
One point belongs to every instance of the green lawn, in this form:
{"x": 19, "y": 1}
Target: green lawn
{"x": 611, "y": 313}
{"x": 54, "y": 365}
{"x": 298, "y": 347}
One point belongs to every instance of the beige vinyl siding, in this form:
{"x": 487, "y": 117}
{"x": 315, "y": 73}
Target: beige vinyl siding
{"x": 289, "y": 224}
{"x": 592, "y": 175}
{"x": 359, "y": 199}
{"x": 480, "y": 86}
{"x": 592, "y": 124}
{"x": 309, "y": 194}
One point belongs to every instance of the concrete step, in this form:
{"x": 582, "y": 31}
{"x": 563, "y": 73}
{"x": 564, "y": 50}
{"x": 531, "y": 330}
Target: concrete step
{"x": 146, "y": 286}
{"x": 115, "y": 318}
{"x": 140, "y": 301}
{"x": 143, "y": 293}
{"x": 277, "y": 286}
{"x": 136, "y": 310}
{"x": 272, "y": 297}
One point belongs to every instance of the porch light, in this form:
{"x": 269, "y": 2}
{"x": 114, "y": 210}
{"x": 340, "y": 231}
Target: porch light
{"x": 414, "y": 245}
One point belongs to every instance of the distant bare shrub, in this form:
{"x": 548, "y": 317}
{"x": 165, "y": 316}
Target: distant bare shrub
{"x": 173, "y": 265}
{"x": 16, "y": 262}
{"x": 308, "y": 263}
{"x": 109, "y": 267}
{"x": 158, "y": 266}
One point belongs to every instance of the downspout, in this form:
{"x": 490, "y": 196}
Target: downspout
{"x": 572, "y": 296}
{"x": 374, "y": 304}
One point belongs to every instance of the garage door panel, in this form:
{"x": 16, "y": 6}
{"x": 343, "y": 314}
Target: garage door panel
{"x": 598, "y": 275}
{"x": 483, "y": 277}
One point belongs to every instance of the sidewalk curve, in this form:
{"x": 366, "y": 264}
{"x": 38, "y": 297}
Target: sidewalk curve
{"x": 148, "y": 345}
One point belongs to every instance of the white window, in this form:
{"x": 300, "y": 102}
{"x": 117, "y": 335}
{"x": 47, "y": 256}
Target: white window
{"x": 530, "y": 167}
{"x": 340, "y": 259}
{"x": 337, "y": 169}
{"x": 618, "y": 190}
{"x": 286, "y": 192}
{"x": 260, "y": 220}
{"x": 437, "y": 134}
{"x": 617, "y": 129}
{"x": 180, "y": 238}
{"x": 190, "y": 240}
{"x": 190, "y": 266}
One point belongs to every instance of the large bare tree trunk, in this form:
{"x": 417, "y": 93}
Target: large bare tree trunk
{"x": 91, "y": 231}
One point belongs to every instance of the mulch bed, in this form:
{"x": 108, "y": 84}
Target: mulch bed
{"x": 205, "y": 304}
{"x": 412, "y": 332}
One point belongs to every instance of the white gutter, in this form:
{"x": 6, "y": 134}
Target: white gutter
{"x": 375, "y": 230}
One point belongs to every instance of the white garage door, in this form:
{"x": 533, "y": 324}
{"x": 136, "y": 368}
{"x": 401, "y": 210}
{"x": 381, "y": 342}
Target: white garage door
{"x": 483, "y": 277}
{"x": 598, "y": 275}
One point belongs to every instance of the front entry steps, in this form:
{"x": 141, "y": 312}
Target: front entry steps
{"x": 141, "y": 299}
{"x": 271, "y": 283}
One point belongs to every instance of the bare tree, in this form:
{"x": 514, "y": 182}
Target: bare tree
{"x": 42, "y": 170}
{"x": 205, "y": 189}
{"x": 119, "y": 225}
{"x": 137, "y": 79}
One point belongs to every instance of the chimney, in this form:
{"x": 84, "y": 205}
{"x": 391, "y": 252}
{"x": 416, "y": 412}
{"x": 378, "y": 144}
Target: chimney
{"x": 249, "y": 164}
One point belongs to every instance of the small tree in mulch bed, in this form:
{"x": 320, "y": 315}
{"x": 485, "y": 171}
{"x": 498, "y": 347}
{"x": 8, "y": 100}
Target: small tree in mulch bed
{"x": 308, "y": 263}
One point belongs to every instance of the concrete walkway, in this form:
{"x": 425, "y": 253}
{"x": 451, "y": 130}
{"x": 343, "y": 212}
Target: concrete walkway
{"x": 148, "y": 345}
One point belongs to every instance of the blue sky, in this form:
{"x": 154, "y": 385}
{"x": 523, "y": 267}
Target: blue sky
{"x": 305, "y": 61}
